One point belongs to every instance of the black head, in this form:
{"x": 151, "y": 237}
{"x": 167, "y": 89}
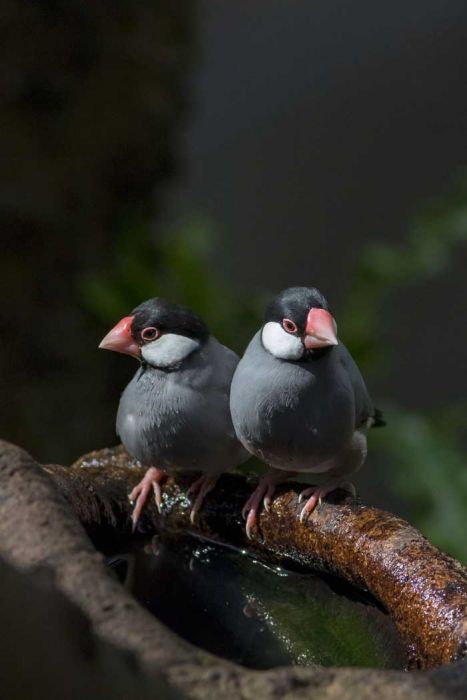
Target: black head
{"x": 158, "y": 332}
{"x": 295, "y": 303}
{"x": 299, "y": 325}
{"x": 157, "y": 316}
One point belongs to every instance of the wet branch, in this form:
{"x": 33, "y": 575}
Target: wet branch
{"x": 424, "y": 590}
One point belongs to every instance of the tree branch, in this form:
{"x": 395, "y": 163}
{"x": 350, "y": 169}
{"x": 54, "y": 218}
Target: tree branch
{"x": 424, "y": 590}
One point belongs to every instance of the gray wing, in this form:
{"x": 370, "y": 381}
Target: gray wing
{"x": 366, "y": 414}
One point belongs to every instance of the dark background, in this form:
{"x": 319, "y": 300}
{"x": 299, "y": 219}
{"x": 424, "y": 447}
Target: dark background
{"x": 217, "y": 152}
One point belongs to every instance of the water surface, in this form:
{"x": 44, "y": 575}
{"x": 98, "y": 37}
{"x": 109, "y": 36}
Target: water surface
{"x": 257, "y": 615}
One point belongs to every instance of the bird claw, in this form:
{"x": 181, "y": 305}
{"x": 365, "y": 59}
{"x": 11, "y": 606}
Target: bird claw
{"x": 157, "y": 495}
{"x": 194, "y": 486}
{"x": 201, "y": 487}
{"x": 317, "y": 494}
{"x": 248, "y": 506}
{"x": 251, "y": 521}
{"x": 262, "y": 493}
{"x": 139, "y": 494}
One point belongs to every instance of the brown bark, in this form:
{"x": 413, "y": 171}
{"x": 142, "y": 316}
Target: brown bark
{"x": 423, "y": 589}
{"x": 37, "y": 529}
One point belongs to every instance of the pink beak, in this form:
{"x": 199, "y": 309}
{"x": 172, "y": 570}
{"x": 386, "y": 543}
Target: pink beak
{"x": 320, "y": 329}
{"x": 119, "y": 339}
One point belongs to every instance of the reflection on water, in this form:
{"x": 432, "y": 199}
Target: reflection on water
{"x": 257, "y": 615}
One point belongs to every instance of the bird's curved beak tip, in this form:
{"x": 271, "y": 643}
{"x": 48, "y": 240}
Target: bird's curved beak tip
{"x": 321, "y": 329}
{"x": 119, "y": 339}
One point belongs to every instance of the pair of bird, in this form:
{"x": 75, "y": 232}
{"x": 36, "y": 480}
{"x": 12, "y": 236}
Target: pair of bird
{"x": 296, "y": 400}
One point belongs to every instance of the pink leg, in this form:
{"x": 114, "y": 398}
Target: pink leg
{"x": 317, "y": 493}
{"x": 201, "y": 487}
{"x": 151, "y": 480}
{"x": 263, "y": 492}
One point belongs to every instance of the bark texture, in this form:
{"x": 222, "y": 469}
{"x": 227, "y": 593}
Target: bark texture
{"x": 38, "y": 528}
{"x": 423, "y": 589}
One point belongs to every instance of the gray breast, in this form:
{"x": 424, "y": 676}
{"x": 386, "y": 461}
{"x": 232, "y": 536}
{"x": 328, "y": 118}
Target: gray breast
{"x": 293, "y": 415}
{"x": 180, "y": 419}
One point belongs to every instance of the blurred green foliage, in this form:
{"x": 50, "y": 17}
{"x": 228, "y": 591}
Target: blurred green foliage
{"x": 383, "y": 268}
{"x": 425, "y": 453}
{"x": 178, "y": 266}
{"x": 427, "y": 462}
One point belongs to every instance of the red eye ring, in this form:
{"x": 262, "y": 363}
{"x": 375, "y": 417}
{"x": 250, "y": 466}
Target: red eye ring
{"x": 289, "y": 326}
{"x": 149, "y": 333}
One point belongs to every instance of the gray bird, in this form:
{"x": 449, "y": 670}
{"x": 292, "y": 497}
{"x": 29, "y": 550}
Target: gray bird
{"x": 298, "y": 400}
{"x": 174, "y": 414}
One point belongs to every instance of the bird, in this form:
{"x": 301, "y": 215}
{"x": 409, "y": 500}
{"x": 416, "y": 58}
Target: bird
{"x": 298, "y": 401}
{"x": 174, "y": 414}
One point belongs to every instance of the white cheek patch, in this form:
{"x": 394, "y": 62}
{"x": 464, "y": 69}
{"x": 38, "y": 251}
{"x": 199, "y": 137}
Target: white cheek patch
{"x": 281, "y": 344}
{"x": 168, "y": 350}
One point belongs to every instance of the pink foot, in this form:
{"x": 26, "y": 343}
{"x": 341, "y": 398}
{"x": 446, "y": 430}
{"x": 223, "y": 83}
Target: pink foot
{"x": 201, "y": 487}
{"x": 317, "y": 493}
{"x": 151, "y": 480}
{"x": 263, "y": 492}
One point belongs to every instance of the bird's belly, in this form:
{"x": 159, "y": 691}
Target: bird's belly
{"x": 179, "y": 443}
{"x": 297, "y": 440}
{"x": 141, "y": 440}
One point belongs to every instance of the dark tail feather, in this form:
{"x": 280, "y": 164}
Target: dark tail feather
{"x": 378, "y": 420}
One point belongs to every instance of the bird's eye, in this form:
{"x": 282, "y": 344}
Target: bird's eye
{"x": 289, "y": 325}
{"x": 149, "y": 333}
